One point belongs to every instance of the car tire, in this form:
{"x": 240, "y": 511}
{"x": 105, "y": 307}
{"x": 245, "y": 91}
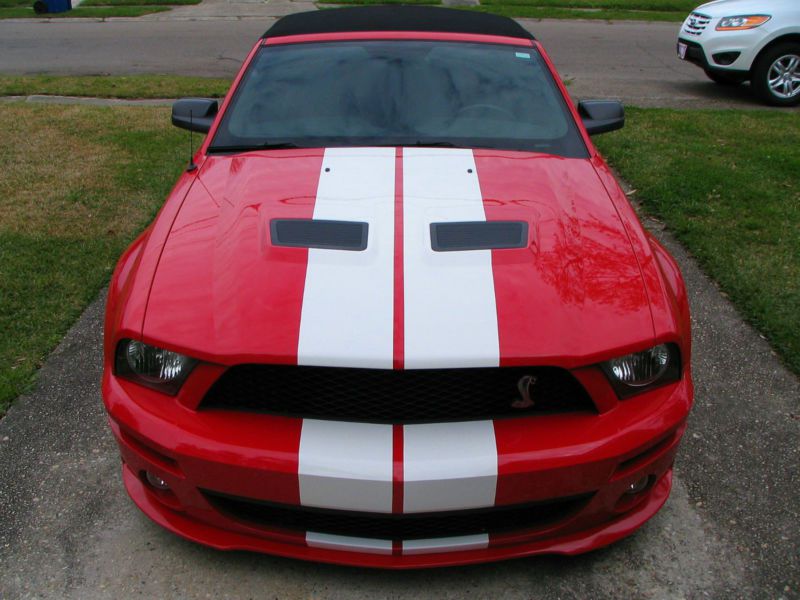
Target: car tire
{"x": 770, "y": 71}
{"x": 723, "y": 78}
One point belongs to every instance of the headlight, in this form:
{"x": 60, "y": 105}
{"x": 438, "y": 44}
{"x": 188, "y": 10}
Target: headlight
{"x": 635, "y": 373}
{"x": 741, "y": 22}
{"x": 160, "y": 369}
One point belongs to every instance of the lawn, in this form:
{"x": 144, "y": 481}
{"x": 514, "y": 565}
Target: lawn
{"x": 16, "y": 9}
{"x": 106, "y": 86}
{"x": 648, "y": 10}
{"x": 78, "y": 184}
{"x": 89, "y": 12}
{"x": 532, "y": 10}
{"x": 725, "y": 182}
{"x": 682, "y": 6}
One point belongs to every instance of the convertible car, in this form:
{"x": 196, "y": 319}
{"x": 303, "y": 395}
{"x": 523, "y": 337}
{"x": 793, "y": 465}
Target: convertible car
{"x": 397, "y": 312}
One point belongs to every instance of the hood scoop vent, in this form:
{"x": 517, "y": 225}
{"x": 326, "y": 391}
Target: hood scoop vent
{"x": 318, "y": 233}
{"x": 478, "y": 235}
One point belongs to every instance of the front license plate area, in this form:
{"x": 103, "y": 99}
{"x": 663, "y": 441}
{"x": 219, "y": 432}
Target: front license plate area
{"x": 682, "y": 50}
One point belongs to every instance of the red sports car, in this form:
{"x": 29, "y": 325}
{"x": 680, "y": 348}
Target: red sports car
{"x": 397, "y": 312}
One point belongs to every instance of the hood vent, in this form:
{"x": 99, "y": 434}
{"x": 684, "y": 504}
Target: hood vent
{"x": 317, "y": 233}
{"x": 478, "y": 235}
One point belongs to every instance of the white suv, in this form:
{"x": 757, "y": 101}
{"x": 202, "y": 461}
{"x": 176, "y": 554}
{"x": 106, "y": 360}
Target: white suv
{"x": 739, "y": 40}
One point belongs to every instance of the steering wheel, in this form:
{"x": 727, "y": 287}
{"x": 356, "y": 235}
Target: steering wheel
{"x": 491, "y": 107}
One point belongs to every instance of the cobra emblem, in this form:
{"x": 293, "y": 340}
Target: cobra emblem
{"x": 525, "y": 386}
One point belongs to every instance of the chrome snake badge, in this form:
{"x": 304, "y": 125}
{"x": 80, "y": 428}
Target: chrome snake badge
{"x": 525, "y": 387}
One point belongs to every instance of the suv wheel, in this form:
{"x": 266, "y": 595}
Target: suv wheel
{"x": 776, "y": 75}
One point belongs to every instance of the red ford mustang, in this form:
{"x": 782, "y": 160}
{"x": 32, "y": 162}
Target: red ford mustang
{"x": 397, "y": 312}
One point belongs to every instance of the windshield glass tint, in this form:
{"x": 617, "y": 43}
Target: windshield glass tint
{"x": 400, "y": 93}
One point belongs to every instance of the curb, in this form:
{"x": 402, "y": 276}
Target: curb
{"x": 46, "y": 99}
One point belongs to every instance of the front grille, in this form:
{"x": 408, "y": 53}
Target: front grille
{"x": 398, "y": 526}
{"x": 395, "y": 396}
{"x": 696, "y": 23}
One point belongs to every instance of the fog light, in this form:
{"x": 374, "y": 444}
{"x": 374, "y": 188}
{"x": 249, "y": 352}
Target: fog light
{"x": 156, "y": 481}
{"x": 638, "y": 486}
{"x": 726, "y": 58}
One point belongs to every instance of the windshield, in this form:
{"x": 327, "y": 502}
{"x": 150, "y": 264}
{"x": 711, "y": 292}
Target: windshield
{"x": 397, "y": 93}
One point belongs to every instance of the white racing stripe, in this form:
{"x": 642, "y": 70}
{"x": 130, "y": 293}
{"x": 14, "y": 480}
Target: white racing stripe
{"x": 346, "y": 466}
{"x": 347, "y": 314}
{"x": 449, "y": 466}
{"x": 351, "y": 544}
{"x": 450, "y": 310}
{"x": 451, "y": 544}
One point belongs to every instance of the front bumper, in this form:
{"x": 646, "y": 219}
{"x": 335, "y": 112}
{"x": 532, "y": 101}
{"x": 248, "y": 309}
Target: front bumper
{"x": 695, "y": 54}
{"x": 730, "y": 52}
{"x": 592, "y": 457}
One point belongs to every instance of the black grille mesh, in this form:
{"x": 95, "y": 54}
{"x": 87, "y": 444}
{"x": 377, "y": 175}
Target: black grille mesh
{"x": 394, "y": 396}
{"x": 398, "y": 526}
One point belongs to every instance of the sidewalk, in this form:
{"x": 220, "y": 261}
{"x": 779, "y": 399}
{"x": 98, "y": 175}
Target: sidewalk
{"x": 233, "y": 9}
{"x": 207, "y": 10}
{"x": 55, "y": 99}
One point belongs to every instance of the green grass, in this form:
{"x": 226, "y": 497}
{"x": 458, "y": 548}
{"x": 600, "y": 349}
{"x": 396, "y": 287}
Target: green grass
{"x": 682, "y": 6}
{"x": 727, "y": 183}
{"x": 97, "y": 9}
{"x": 534, "y": 12}
{"x": 63, "y": 224}
{"x": 62, "y": 229}
{"x": 106, "y": 86}
{"x": 89, "y": 12}
{"x": 647, "y": 10}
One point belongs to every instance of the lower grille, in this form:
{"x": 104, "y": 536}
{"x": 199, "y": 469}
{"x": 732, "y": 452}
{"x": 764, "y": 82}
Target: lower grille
{"x": 397, "y": 396}
{"x": 398, "y": 526}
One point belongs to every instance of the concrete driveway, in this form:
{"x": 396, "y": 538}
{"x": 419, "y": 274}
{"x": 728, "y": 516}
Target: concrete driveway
{"x": 633, "y": 61}
{"x": 731, "y": 528}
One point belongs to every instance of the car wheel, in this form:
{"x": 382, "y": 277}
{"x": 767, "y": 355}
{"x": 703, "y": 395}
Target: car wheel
{"x": 723, "y": 78}
{"x": 776, "y": 75}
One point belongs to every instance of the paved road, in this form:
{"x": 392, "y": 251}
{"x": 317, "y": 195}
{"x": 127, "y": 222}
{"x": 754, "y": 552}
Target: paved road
{"x": 730, "y": 530}
{"x": 633, "y": 61}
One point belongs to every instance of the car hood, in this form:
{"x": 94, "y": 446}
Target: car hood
{"x": 223, "y": 291}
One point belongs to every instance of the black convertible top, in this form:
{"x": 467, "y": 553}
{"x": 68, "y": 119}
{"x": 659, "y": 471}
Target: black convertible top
{"x": 396, "y": 18}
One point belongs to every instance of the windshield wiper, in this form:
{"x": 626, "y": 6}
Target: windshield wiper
{"x": 433, "y": 144}
{"x": 254, "y": 147}
{"x": 422, "y": 144}
{"x": 290, "y": 145}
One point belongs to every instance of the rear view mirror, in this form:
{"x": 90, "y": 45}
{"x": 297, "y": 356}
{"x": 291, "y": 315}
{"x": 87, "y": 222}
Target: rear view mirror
{"x": 601, "y": 116}
{"x": 194, "y": 114}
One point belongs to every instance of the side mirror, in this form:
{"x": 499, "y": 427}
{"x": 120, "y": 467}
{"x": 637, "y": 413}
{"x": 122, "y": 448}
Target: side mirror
{"x": 194, "y": 114}
{"x": 601, "y": 116}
